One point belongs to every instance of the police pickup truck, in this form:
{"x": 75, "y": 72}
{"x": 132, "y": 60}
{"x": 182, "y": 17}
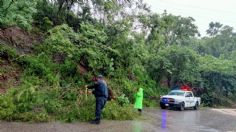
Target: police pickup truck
{"x": 180, "y": 99}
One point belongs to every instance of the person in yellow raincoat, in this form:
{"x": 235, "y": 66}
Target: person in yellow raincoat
{"x": 139, "y": 99}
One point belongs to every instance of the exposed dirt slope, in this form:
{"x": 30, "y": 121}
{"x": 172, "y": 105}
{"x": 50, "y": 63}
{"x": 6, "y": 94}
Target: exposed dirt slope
{"x": 9, "y": 75}
{"x": 23, "y": 41}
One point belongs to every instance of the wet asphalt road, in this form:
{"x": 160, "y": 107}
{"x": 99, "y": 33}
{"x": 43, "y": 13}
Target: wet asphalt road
{"x": 153, "y": 120}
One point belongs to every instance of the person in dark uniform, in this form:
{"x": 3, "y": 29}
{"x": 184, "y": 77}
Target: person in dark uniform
{"x": 100, "y": 92}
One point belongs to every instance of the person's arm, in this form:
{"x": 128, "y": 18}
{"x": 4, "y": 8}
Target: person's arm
{"x": 93, "y": 86}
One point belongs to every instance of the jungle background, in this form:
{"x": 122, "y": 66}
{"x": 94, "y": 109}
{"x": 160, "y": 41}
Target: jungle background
{"x": 50, "y": 49}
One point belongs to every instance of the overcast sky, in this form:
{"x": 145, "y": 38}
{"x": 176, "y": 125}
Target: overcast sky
{"x": 203, "y": 11}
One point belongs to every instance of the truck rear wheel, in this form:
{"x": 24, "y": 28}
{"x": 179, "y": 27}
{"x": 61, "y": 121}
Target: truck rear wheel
{"x": 181, "y": 107}
{"x": 196, "y": 107}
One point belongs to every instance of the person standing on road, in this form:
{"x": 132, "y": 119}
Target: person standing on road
{"x": 139, "y": 100}
{"x": 100, "y": 92}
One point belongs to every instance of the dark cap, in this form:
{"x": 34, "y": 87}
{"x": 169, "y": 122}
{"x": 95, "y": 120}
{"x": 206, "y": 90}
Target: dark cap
{"x": 100, "y": 76}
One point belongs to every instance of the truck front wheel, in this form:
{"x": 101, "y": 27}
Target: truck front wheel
{"x": 162, "y": 106}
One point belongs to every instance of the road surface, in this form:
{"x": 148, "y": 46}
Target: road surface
{"x": 153, "y": 120}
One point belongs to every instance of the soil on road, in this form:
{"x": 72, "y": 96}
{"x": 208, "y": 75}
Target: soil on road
{"x": 153, "y": 120}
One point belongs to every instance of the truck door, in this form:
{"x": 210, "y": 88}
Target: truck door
{"x": 188, "y": 99}
{"x": 191, "y": 98}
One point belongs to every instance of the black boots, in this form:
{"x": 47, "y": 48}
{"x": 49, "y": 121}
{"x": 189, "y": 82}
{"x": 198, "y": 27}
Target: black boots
{"x": 96, "y": 121}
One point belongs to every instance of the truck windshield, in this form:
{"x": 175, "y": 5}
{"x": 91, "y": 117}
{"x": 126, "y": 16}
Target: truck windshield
{"x": 178, "y": 93}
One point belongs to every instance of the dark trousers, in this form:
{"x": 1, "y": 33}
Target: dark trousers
{"x": 140, "y": 110}
{"x": 100, "y": 103}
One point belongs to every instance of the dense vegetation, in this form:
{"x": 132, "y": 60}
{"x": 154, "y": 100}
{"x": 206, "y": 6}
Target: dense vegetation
{"x": 121, "y": 39}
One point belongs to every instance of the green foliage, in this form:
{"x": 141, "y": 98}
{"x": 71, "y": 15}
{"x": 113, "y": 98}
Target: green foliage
{"x": 23, "y": 103}
{"x": 40, "y": 65}
{"x": 85, "y": 46}
{"x": 221, "y": 42}
{"x": 114, "y": 111}
{"x": 151, "y": 103}
{"x": 7, "y": 52}
{"x": 218, "y": 79}
{"x": 180, "y": 63}
{"x": 123, "y": 100}
{"x": 50, "y": 14}
{"x": 93, "y": 51}
{"x": 92, "y": 33}
{"x": 101, "y": 38}
{"x": 34, "y": 102}
{"x": 168, "y": 29}
{"x": 60, "y": 40}
{"x": 46, "y": 15}
{"x": 7, "y": 108}
{"x": 31, "y": 116}
{"x": 212, "y": 64}
{"x": 25, "y": 98}
{"x": 46, "y": 24}
{"x": 18, "y": 13}
{"x": 68, "y": 68}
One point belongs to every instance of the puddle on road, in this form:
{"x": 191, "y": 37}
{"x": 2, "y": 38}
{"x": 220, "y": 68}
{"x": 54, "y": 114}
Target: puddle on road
{"x": 164, "y": 119}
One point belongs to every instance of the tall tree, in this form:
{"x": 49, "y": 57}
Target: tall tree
{"x": 214, "y": 28}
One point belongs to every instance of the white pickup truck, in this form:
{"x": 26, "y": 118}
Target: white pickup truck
{"x": 180, "y": 99}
